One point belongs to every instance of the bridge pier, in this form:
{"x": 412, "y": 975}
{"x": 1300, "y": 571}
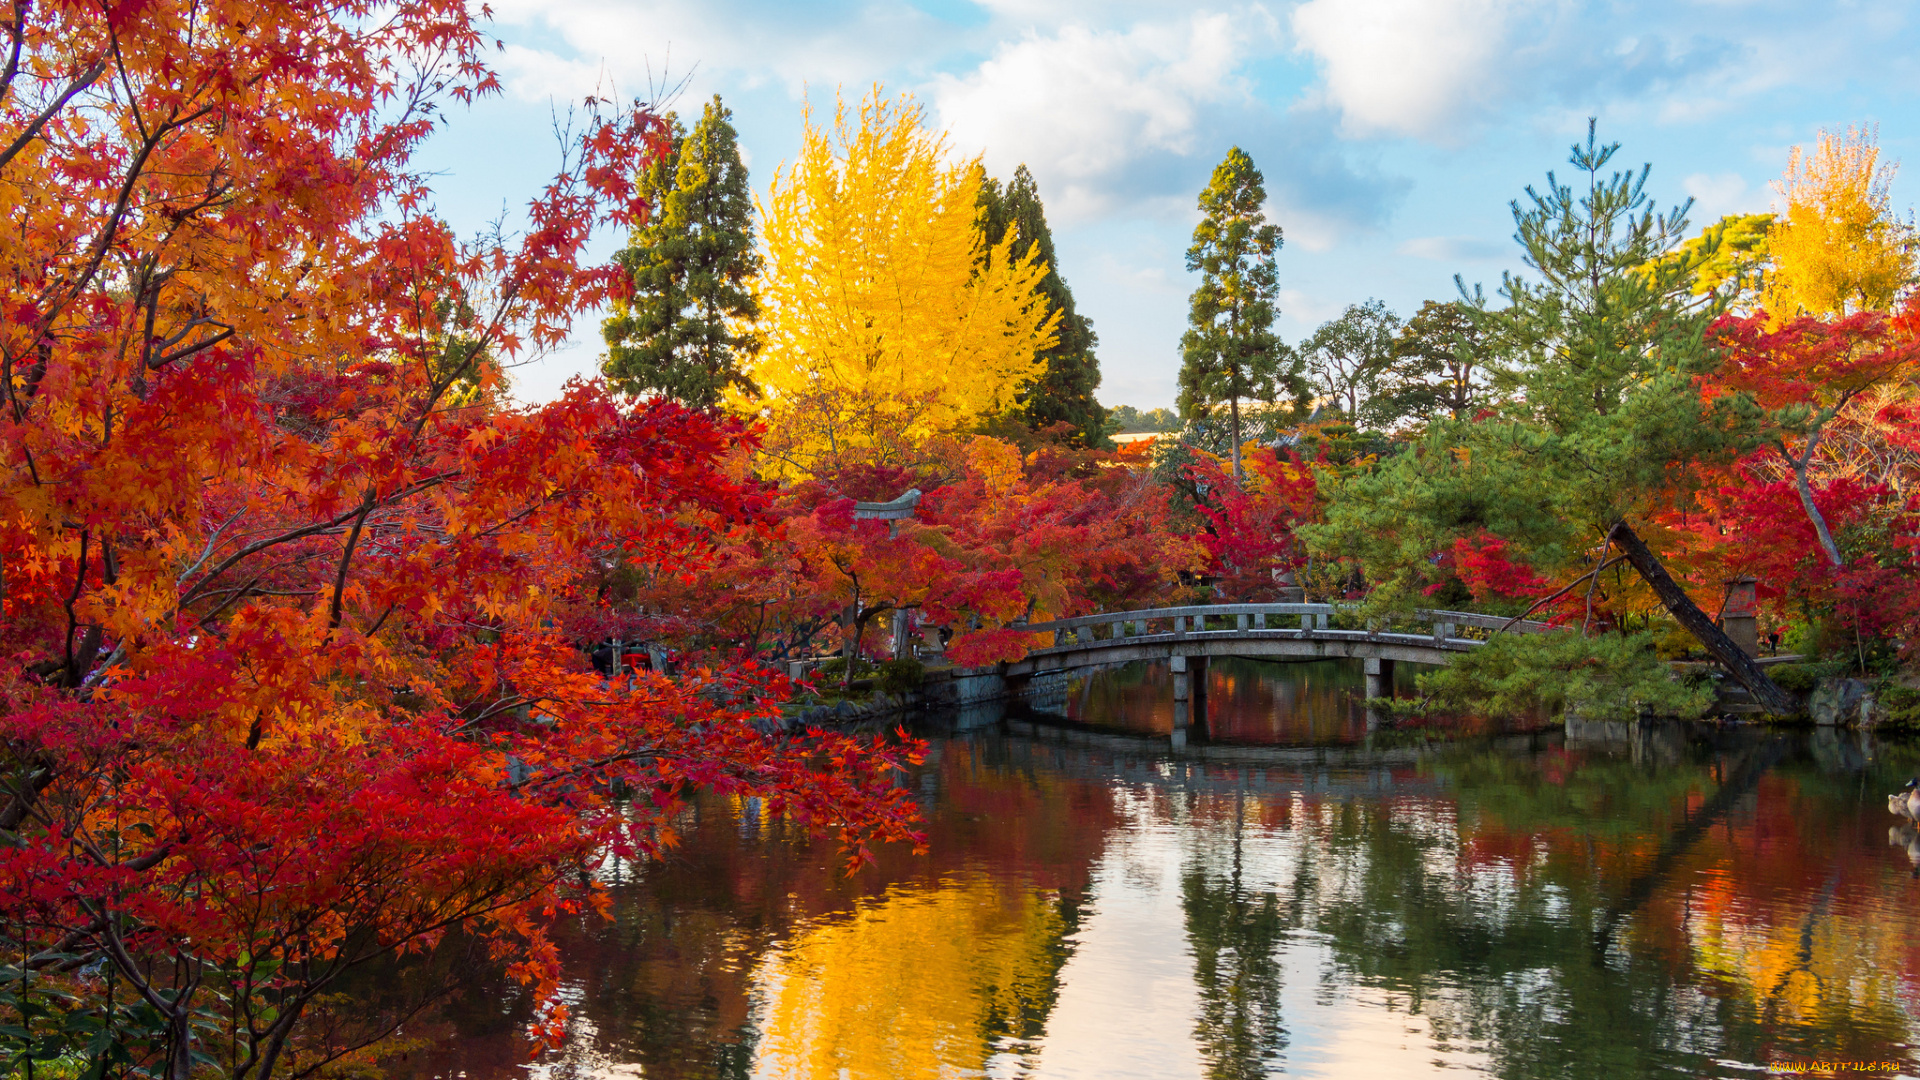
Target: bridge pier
{"x": 1186, "y": 637}
{"x": 1189, "y": 690}
{"x": 1379, "y": 685}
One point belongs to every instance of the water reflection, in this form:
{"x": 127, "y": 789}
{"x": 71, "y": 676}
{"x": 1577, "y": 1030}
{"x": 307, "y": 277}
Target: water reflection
{"x": 1304, "y": 703}
{"x": 931, "y": 980}
{"x": 1630, "y": 901}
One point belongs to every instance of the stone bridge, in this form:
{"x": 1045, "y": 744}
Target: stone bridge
{"x": 1188, "y": 637}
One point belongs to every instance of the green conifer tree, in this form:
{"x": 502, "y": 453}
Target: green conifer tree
{"x": 1230, "y": 352}
{"x": 1064, "y": 392}
{"x": 1599, "y": 419}
{"x": 687, "y": 332}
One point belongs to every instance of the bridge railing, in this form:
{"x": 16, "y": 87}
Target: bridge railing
{"x": 1245, "y": 618}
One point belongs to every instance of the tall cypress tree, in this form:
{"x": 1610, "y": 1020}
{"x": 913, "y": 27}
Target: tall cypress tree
{"x": 1064, "y": 390}
{"x": 686, "y": 333}
{"x": 1230, "y": 352}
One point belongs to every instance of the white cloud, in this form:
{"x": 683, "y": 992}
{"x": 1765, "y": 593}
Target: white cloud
{"x": 538, "y": 75}
{"x": 638, "y": 41}
{"x": 1716, "y": 195}
{"x": 1407, "y": 67}
{"x": 1083, "y": 107}
{"x": 1451, "y": 249}
{"x": 1437, "y": 69}
{"x": 1055, "y": 13}
{"x": 1306, "y": 228}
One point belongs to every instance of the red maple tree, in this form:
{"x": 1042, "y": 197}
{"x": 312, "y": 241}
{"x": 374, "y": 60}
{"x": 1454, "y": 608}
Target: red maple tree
{"x": 293, "y": 596}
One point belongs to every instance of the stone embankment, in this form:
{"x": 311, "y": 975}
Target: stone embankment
{"x": 953, "y": 691}
{"x": 1843, "y": 703}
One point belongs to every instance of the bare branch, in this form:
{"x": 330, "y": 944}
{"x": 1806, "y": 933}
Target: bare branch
{"x": 32, "y": 131}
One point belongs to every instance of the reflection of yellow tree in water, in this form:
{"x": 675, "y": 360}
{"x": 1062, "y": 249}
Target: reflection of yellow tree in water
{"x": 923, "y": 983}
{"x": 1827, "y": 956}
{"x": 1811, "y": 966}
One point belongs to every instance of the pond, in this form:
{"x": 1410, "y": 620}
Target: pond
{"x": 1282, "y": 896}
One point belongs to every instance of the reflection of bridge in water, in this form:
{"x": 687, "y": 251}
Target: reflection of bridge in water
{"x": 1342, "y": 773}
{"x": 1187, "y": 637}
{"x": 1348, "y": 771}
{"x": 1337, "y": 772}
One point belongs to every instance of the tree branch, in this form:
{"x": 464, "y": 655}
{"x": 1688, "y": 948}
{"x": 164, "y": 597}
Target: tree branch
{"x": 346, "y": 558}
{"x": 32, "y": 131}
{"x": 1545, "y": 600}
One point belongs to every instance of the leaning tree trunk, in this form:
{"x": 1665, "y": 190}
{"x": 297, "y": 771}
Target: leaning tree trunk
{"x": 1700, "y": 625}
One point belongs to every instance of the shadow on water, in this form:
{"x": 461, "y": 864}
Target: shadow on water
{"x": 1607, "y": 900}
{"x": 1247, "y": 701}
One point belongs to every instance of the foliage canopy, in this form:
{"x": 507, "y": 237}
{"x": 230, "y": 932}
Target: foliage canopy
{"x": 684, "y": 329}
{"x": 888, "y": 319}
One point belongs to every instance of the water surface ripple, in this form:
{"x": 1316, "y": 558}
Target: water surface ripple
{"x": 1281, "y": 897}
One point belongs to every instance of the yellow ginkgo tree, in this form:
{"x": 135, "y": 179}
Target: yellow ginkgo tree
{"x": 883, "y": 327}
{"x": 1837, "y": 247}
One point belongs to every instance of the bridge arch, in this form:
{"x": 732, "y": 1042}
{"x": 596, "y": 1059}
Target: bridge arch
{"x": 1188, "y": 637}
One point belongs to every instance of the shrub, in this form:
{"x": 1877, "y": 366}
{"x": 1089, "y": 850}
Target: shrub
{"x": 1605, "y": 677}
{"x": 1795, "y": 678}
{"x": 1900, "y": 708}
{"x": 901, "y": 676}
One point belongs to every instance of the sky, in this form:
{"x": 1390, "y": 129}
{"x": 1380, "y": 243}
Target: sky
{"x": 1393, "y": 134}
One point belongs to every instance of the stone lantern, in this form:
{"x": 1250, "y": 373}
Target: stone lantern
{"x": 1740, "y": 615}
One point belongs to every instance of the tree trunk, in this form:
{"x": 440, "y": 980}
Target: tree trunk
{"x": 1805, "y": 488}
{"x": 1700, "y": 625}
{"x": 850, "y": 645}
{"x": 1234, "y": 404}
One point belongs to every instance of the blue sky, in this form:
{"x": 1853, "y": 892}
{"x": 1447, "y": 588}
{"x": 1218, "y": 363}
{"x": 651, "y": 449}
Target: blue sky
{"x": 1393, "y": 133}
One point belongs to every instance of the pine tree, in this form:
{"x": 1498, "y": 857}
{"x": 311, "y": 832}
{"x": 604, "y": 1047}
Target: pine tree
{"x": 686, "y": 332}
{"x": 1596, "y": 362}
{"x": 1230, "y": 352}
{"x": 1064, "y": 391}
